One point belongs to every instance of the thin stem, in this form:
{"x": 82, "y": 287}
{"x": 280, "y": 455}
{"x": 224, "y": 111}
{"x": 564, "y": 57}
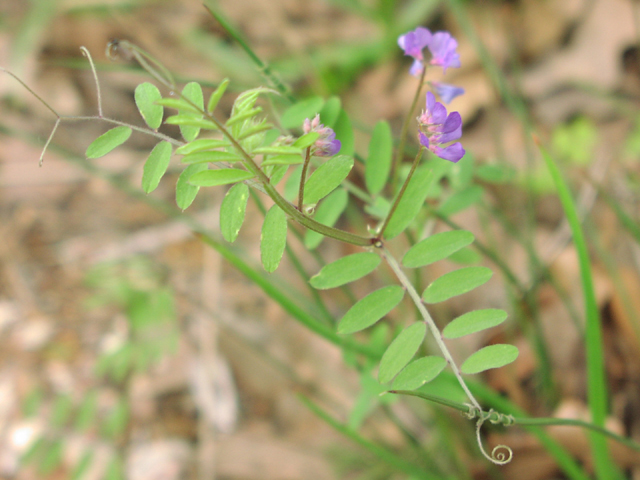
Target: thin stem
{"x": 405, "y": 128}
{"x": 303, "y": 177}
{"x": 391, "y": 261}
{"x": 31, "y": 91}
{"x": 87, "y": 54}
{"x": 46, "y": 145}
{"x": 392, "y": 210}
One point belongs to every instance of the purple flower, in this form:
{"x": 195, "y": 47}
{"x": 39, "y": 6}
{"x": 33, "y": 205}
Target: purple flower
{"x": 447, "y": 92}
{"x": 413, "y": 43}
{"x": 437, "y": 128}
{"x": 443, "y": 50}
{"x": 326, "y": 145}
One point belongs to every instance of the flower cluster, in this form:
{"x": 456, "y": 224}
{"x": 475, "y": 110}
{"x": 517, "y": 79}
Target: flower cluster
{"x": 441, "y": 45}
{"x": 437, "y": 128}
{"x": 326, "y": 145}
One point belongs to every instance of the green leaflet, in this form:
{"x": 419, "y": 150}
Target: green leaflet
{"x": 306, "y": 140}
{"x": 436, "y": 247}
{"x": 202, "y": 144}
{"x": 331, "y": 111}
{"x": 456, "y": 283}
{"x": 217, "y": 95}
{"x": 295, "y": 115}
{"x": 108, "y": 141}
{"x": 191, "y": 121}
{"x": 224, "y": 176}
{"x": 378, "y": 164}
{"x": 211, "y": 156}
{"x": 273, "y": 238}
{"x": 344, "y": 270}
{"x": 327, "y": 213}
{"x": 232, "y": 211}
{"x": 327, "y": 178}
{"x": 401, "y": 351}
{"x": 179, "y": 104}
{"x": 185, "y": 192}
{"x": 411, "y": 202}
{"x": 461, "y": 200}
{"x": 493, "y": 356}
{"x": 419, "y": 372}
{"x": 344, "y": 133}
{"x": 192, "y": 91}
{"x": 146, "y": 95}
{"x": 370, "y": 309}
{"x": 156, "y": 166}
{"x": 475, "y": 321}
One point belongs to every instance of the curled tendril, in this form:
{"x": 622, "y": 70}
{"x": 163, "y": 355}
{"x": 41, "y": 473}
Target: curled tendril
{"x": 501, "y": 454}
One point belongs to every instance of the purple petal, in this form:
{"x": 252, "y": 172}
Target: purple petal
{"x": 447, "y": 92}
{"x": 449, "y": 136}
{"x": 334, "y": 147}
{"x": 453, "y": 122}
{"x": 431, "y": 101}
{"x": 443, "y": 50}
{"x": 414, "y": 42}
{"x": 438, "y": 114}
{"x": 424, "y": 140}
{"x": 453, "y": 152}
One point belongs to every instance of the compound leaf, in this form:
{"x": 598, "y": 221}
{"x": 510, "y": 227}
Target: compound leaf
{"x": 401, "y": 351}
{"x": 370, "y": 309}
{"x": 295, "y": 115}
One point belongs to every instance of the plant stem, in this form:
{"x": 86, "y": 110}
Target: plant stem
{"x": 392, "y": 210}
{"x": 405, "y": 128}
{"x": 303, "y": 177}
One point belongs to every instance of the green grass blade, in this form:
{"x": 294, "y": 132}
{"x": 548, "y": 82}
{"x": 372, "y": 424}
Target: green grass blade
{"x": 596, "y": 382}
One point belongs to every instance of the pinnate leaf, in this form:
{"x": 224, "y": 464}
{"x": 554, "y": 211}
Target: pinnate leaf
{"x": 156, "y": 166}
{"x": 327, "y": 178}
{"x": 224, "y": 176}
{"x": 493, "y": 356}
{"x": 146, "y": 95}
{"x": 232, "y": 211}
{"x": 436, "y": 247}
{"x": 211, "y": 156}
{"x": 201, "y": 145}
{"x": 344, "y": 133}
{"x": 186, "y": 192}
{"x": 456, "y": 283}
{"x": 273, "y": 238}
{"x": 108, "y": 141}
{"x": 378, "y": 164}
{"x": 344, "y": 270}
{"x": 401, "y": 351}
{"x": 370, "y": 309}
{"x": 419, "y": 372}
{"x": 475, "y": 321}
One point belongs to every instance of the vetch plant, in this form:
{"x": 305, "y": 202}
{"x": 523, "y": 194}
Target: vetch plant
{"x": 246, "y": 151}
